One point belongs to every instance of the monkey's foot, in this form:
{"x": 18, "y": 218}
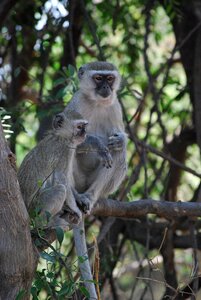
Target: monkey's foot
{"x": 58, "y": 222}
{"x": 116, "y": 142}
{"x": 84, "y": 202}
{"x": 72, "y": 214}
{"x": 74, "y": 218}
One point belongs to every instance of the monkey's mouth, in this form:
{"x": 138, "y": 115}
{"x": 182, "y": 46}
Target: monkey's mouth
{"x": 105, "y": 101}
{"x": 81, "y": 131}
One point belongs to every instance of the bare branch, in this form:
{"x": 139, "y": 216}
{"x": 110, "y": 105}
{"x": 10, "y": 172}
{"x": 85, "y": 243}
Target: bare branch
{"x": 167, "y": 157}
{"x": 139, "y": 208}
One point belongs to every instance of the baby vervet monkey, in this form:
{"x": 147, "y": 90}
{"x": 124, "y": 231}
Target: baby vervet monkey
{"x": 45, "y": 175}
{"x": 97, "y": 101}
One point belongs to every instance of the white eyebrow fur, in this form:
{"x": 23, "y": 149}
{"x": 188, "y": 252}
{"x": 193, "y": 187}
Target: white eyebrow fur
{"x": 92, "y": 72}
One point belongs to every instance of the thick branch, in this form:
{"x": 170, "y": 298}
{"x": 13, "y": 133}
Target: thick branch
{"x": 139, "y": 208}
{"x": 135, "y": 209}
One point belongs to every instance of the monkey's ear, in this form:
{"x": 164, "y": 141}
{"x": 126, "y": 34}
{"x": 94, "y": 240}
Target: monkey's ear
{"x": 58, "y": 121}
{"x": 80, "y": 72}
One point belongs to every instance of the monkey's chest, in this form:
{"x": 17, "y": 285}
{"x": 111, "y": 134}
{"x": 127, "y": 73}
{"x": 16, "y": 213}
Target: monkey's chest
{"x": 100, "y": 124}
{"x": 87, "y": 162}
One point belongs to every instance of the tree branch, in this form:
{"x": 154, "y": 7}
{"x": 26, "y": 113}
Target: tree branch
{"x": 139, "y": 208}
{"x": 131, "y": 210}
{"x": 166, "y": 157}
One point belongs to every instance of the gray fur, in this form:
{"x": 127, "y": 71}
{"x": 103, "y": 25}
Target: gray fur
{"x": 105, "y": 122}
{"x": 45, "y": 175}
{"x": 96, "y": 66}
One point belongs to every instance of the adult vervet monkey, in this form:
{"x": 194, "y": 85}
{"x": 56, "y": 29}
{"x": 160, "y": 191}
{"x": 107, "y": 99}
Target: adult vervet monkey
{"x": 97, "y": 101}
{"x": 45, "y": 175}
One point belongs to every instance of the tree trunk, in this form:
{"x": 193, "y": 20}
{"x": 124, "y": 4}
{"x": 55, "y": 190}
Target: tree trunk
{"x": 18, "y": 259}
{"x": 5, "y": 7}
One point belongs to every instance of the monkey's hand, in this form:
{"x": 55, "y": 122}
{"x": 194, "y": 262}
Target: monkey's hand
{"x": 105, "y": 157}
{"x": 83, "y": 202}
{"x": 117, "y": 142}
{"x": 95, "y": 145}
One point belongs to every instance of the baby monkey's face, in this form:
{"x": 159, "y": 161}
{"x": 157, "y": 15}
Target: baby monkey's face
{"x": 79, "y": 134}
{"x": 70, "y": 126}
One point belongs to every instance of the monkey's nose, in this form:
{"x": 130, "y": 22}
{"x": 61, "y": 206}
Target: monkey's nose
{"x": 82, "y": 128}
{"x": 83, "y": 131}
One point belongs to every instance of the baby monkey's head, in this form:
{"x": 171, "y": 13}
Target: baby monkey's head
{"x": 71, "y": 126}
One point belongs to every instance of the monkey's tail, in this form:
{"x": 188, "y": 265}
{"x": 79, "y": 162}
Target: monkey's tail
{"x": 83, "y": 259}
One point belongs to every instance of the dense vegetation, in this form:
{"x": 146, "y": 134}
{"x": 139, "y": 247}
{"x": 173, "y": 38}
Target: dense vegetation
{"x": 156, "y": 45}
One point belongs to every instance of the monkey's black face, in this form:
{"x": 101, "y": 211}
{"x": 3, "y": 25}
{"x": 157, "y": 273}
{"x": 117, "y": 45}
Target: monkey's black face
{"x": 104, "y": 84}
{"x": 80, "y": 131}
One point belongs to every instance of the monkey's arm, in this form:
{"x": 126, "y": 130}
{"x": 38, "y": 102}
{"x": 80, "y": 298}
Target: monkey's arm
{"x": 104, "y": 182}
{"x": 95, "y": 145}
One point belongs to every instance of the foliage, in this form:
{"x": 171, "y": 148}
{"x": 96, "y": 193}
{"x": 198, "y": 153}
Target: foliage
{"x": 42, "y": 44}
{"x": 4, "y": 117}
{"x": 55, "y": 277}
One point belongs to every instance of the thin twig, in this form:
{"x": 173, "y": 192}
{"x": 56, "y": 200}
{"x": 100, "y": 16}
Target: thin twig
{"x": 167, "y": 157}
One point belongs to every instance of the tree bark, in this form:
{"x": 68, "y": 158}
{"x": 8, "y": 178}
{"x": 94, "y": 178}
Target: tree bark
{"x": 187, "y": 29}
{"x": 18, "y": 260}
{"x": 140, "y": 208}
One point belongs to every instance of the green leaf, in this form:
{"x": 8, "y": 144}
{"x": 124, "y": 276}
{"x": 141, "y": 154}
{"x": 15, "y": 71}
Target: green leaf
{"x": 180, "y": 95}
{"x": 47, "y": 257}
{"x": 39, "y": 284}
{"x": 71, "y": 70}
{"x": 59, "y": 81}
{"x": 20, "y": 295}
{"x": 40, "y": 183}
{"x": 82, "y": 258}
{"x": 34, "y": 293}
{"x": 50, "y": 275}
{"x": 67, "y": 289}
{"x": 84, "y": 291}
{"x": 37, "y": 242}
{"x": 91, "y": 281}
{"x": 61, "y": 93}
{"x": 60, "y": 234}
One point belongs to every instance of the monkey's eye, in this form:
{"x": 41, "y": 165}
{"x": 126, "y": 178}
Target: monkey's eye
{"x": 97, "y": 77}
{"x": 110, "y": 78}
